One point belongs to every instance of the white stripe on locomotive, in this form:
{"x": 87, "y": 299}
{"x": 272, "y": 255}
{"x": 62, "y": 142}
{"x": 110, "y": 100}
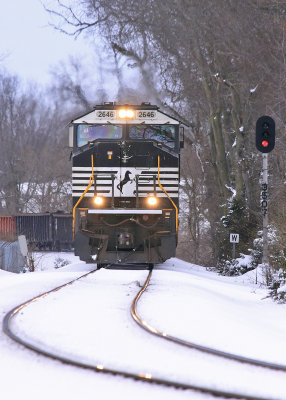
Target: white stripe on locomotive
{"x": 125, "y": 181}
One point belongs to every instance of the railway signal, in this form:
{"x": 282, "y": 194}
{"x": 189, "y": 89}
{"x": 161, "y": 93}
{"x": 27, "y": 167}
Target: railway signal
{"x": 265, "y": 134}
{"x": 265, "y": 142}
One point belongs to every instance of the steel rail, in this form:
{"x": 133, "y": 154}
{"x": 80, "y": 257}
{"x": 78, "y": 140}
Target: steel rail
{"x": 148, "y": 378}
{"x": 231, "y": 356}
{"x": 234, "y": 357}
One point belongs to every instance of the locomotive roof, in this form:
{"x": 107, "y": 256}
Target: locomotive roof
{"x": 155, "y": 115}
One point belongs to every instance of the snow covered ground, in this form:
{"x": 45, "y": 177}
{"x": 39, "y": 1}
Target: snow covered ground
{"x": 90, "y": 321}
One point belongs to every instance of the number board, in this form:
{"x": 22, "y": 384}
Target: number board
{"x": 106, "y": 114}
{"x": 140, "y": 114}
{"x": 147, "y": 114}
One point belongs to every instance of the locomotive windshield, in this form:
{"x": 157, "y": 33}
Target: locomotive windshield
{"x": 161, "y": 133}
{"x": 87, "y": 133}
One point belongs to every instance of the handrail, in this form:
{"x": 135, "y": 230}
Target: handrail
{"x": 91, "y": 181}
{"x": 161, "y": 187}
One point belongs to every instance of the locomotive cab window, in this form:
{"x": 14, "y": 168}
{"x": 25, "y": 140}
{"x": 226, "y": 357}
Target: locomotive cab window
{"x": 165, "y": 134}
{"x": 86, "y": 133}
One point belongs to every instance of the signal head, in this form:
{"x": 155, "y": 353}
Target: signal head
{"x": 265, "y": 134}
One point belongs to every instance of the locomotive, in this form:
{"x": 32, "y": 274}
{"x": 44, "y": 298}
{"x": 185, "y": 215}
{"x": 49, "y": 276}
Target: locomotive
{"x": 125, "y": 184}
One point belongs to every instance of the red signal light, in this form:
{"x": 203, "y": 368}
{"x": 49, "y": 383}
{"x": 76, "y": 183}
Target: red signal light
{"x": 265, "y": 143}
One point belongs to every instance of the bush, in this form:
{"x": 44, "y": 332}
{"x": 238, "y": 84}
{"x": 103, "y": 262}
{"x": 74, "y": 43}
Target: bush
{"x": 278, "y": 286}
{"x": 237, "y": 219}
{"x": 236, "y": 267}
{"x": 60, "y": 262}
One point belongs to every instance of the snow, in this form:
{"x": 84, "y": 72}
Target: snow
{"x": 90, "y": 321}
{"x": 233, "y": 191}
{"x": 281, "y": 289}
{"x": 253, "y": 89}
{"x": 244, "y": 259}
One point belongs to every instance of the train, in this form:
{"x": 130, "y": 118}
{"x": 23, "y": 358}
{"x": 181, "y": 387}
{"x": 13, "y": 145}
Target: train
{"x": 46, "y": 231}
{"x": 125, "y": 184}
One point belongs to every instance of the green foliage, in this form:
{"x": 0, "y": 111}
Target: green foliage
{"x": 277, "y": 255}
{"x": 236, "y": 267}
{"x": 236, "y": 220}
{"x": 278, "y": 286}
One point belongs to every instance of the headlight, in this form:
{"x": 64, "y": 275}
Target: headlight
{"x": 122, "y": 113}
{"x": 130, "y": 114}
{"x": 98, "y": 200}
{"x": 126, "y": 113}
{"x": 152, "y": 200}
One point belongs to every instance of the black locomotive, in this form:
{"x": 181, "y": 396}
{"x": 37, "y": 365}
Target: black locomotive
{"x": 125, "y": 174}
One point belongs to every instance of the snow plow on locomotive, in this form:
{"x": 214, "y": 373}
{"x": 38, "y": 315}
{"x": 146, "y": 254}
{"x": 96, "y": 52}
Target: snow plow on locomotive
{"x": 125, "y": 180}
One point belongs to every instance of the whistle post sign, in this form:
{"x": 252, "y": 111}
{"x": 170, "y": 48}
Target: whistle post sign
{"x": 234, "y": 238}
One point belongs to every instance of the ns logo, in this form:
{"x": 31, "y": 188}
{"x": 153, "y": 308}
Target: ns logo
{"x": 124, "y": 181}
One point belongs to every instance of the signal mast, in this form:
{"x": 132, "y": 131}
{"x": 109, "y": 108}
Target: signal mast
{"x": 265, "y": 142}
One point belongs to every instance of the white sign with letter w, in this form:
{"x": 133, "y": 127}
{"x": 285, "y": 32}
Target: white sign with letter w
{"x": 234, "y": 238}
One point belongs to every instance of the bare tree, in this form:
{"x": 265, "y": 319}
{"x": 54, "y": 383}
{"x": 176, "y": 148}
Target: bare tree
{"x": 31, "y": 151}
{"x": 217, "y": 62}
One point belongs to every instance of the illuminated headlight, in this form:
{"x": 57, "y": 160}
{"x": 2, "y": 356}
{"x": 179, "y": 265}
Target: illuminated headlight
{"x": 122, "y": 113}
{"x": 152, "y": 200}
{"x": 98, "y": 200}
{"x": 126, "y": 113}
{"x": 129, "y": 113}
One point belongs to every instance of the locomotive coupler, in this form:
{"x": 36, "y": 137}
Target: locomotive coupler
{"x": 125, "y": 240}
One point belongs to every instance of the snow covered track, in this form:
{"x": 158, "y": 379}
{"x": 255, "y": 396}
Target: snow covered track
{"x": 6, "y": 324}
{"x": 107, "y": 289}
{"x": 143, "y": 324}
{"x": 99, "y": 368}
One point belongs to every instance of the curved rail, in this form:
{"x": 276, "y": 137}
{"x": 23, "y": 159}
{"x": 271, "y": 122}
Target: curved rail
{"x": 6, "y": 326}
{"x": 144, "y": 325}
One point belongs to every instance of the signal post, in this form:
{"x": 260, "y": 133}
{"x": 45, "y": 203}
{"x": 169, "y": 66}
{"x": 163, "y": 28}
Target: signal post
{"x": 265, "y": 142}
{"x": 264, "y": 206}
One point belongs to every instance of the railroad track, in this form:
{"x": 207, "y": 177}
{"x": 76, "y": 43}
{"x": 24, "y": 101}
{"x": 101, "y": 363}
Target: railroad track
{"x": 208, "y": 350}
{"x": 139, "y": 377}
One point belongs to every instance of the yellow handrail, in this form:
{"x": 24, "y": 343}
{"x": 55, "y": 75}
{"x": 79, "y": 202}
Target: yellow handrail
{"x": 91, "y": 181}
{"x": 161, "y": 187}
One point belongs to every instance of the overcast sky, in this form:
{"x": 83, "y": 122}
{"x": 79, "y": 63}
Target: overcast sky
{"x": 31, "y": 45}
